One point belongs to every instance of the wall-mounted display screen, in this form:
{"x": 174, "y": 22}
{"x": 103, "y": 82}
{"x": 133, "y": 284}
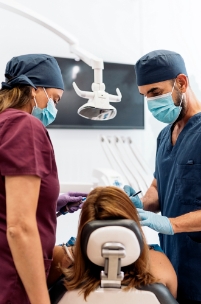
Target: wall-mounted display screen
{"x": 130, "y": 111}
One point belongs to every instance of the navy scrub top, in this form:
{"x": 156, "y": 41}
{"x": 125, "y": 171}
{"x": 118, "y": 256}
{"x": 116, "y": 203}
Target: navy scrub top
{"x": 26, "y": 149}
{"x": 178, "y": 174}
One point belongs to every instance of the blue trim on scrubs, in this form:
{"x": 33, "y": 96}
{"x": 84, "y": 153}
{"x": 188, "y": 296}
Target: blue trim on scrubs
{"x": 178, "y": 174}
{"x": 70, "y": 242}
{"x": 155, "y": 247}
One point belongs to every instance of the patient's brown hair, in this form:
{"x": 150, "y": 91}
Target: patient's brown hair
{"x": 106, "y": 203}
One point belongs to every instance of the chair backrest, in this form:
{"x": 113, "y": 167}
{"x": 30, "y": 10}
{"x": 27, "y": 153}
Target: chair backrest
{"x": 118, "y": 296}
{"x": 112, "y": 244}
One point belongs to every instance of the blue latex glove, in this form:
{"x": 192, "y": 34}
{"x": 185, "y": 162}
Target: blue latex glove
{"x": 155, "y": 221}
{"x": 134, "y": 199}
{"x": 75, "y": 199}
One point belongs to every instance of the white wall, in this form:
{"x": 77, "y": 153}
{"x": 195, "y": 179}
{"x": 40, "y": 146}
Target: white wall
{"x": 117, "y": 31}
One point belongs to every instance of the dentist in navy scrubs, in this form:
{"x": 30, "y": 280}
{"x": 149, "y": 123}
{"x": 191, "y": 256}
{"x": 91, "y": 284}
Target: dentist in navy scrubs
{"x": 29, "y": 185}
{"x": 176, "y": 188}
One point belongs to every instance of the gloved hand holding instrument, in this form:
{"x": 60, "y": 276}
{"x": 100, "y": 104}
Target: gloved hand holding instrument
{"x": 152, "y": 220}
{"x": 133, "y": 195}
{"x": 70, "y": 202}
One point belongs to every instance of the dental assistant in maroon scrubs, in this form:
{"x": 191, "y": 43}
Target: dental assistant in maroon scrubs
{"x": 29, "y": 186}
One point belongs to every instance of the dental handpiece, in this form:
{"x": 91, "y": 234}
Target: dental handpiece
{"x": 136, "y": 193}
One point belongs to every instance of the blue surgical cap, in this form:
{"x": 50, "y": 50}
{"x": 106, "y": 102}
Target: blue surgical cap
{"x": 36, "y": 70}
{"x": 159, "y": 66}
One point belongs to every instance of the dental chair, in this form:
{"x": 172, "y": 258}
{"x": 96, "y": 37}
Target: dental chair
{"x": 112, "y": 244}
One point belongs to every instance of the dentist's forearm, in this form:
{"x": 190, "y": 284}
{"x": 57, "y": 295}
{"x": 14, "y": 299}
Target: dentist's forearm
{"x": 189, "y": 222}
{"x": 150, "y": 199}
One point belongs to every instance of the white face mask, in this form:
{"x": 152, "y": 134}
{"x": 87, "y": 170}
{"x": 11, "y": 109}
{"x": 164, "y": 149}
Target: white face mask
{"x": 46, "y": 115}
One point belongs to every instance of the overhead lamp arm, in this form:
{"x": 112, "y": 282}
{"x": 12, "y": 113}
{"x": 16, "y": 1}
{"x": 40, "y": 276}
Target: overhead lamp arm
{"x": 23, "y": 11}
{"x": 91, "y": 60}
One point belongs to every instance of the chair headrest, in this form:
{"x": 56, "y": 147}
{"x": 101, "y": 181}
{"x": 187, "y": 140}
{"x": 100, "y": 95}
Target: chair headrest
{"x": 96, "y": 233}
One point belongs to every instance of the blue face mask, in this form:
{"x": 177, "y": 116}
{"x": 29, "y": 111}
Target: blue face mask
{"x": 46, "y": 115}
{"x": 163, "y": 108}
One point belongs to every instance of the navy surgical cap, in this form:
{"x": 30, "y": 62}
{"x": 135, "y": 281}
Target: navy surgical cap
{"x": 36, "y": 70}
{"x": 159, "y": 66}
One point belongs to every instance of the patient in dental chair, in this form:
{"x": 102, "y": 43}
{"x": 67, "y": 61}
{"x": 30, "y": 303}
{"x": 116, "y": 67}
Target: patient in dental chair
{"x": 152, "y": 266}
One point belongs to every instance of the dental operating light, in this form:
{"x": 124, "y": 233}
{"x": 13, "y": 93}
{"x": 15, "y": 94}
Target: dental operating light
{"x": 98, "y": 106}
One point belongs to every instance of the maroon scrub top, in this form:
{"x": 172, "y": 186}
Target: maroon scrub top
{"x": 26, "y": 149}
